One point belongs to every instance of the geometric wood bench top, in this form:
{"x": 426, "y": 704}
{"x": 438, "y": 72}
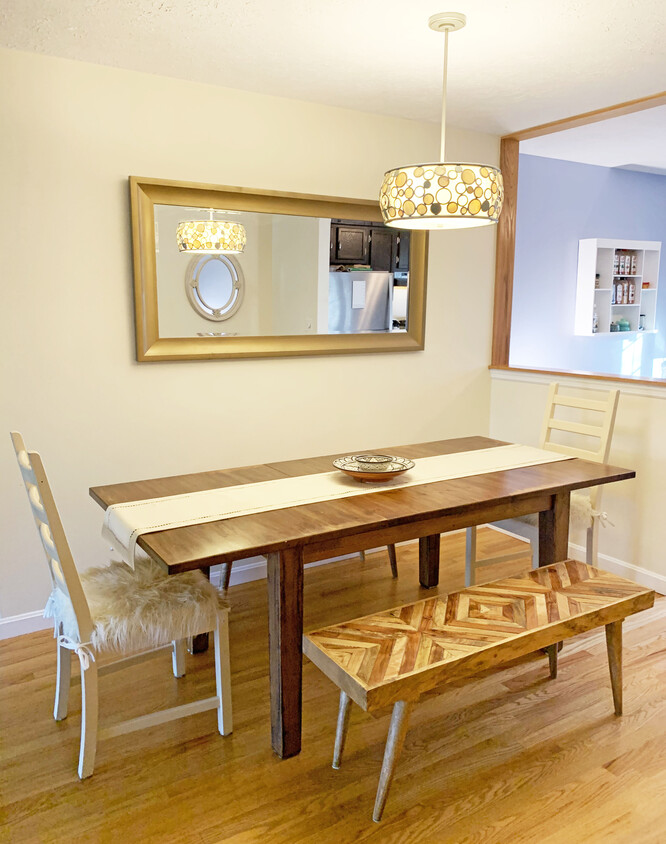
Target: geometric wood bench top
{"x": 400, "y": 653}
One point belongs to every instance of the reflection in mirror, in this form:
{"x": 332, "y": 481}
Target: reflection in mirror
{"x": 317, "y": 275}
{"x": 214, "y": 286}
{"x": 296, "y": 275}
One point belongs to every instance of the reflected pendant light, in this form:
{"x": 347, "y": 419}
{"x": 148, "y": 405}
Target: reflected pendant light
{"x": 212, "y": 237}
{"x": 443, "y": 195}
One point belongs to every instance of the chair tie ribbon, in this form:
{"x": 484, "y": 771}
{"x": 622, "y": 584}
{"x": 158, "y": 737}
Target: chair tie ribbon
{"x": 82, "y": 649}
{"x": 603, "y": 518}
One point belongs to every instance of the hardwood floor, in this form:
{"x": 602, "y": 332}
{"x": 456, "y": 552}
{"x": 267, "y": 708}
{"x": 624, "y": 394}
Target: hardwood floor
{"x": 510, "y": 757}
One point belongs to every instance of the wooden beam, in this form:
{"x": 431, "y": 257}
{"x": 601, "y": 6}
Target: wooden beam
{"x": 506, "y": 246}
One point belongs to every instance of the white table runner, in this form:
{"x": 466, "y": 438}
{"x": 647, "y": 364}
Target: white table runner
{"x": 124, "y": 523}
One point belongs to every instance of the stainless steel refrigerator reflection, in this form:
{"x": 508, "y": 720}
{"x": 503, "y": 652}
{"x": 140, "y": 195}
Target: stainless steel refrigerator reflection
{"x": 359, "y": 301}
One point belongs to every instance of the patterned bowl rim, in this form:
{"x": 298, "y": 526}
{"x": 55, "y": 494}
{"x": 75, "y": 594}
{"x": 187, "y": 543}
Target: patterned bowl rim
{"x": 349, "y": 464}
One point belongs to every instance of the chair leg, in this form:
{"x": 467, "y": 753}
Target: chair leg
{"x": 225, "y": 576}
{"x": 552, "y": 650}
{"x": 470, "y": 555}
{"x": 393, "y": 560}
{"x": 394, "y": 742}
{"x": 341, "y": 731}
{"x": 178, "y": 657}
{"x": 223, "y": 674}
{"x": 89, "y": 716}
{"x": 63, "y": 677}
{"x": 591, "y": 544}
{"x": 534, "y": 546}
{"x": 614, "y": 647}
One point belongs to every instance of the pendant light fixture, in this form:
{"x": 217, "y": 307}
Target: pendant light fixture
{"x": 443, "y": 195}
{"x": 212, "y": 237}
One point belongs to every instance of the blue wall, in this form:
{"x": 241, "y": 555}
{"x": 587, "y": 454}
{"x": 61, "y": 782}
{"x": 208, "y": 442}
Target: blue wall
{"x": 559, "y": 203}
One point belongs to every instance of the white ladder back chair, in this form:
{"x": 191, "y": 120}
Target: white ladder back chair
{"x": 589, "y": 439}
{"x": 152, "y": 612}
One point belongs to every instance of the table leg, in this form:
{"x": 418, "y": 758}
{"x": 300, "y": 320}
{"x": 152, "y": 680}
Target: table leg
{"x": 200, "y": 642}
{"x": 429, "y": 561}
{"x": 554, "y": 531}
{"x": 285, "y": 643}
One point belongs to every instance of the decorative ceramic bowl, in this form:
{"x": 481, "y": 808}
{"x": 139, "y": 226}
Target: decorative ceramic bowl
{"x": 373, "y": 468}
{"x": 374, "y": 462}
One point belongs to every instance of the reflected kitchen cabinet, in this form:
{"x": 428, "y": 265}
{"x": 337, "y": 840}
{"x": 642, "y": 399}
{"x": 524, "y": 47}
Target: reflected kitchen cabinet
{"x": 360, "y": 243}
{"x": 350, "y": 244}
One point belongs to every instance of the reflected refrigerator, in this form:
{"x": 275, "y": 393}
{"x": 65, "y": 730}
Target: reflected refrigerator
{"x": 359, "y": 301}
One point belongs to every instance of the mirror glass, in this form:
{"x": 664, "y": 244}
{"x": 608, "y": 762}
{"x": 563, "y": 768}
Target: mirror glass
{"x": 317, "y": 275}
{"x": 303, "y": 275}
{"x": 215, "y": 283}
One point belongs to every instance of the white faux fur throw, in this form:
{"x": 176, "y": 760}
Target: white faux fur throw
{"x": 141, "y": 608}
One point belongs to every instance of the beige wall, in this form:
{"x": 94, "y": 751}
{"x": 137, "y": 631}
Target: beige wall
{"x": 72, "y": 134}
{"x": 634, "y": 546}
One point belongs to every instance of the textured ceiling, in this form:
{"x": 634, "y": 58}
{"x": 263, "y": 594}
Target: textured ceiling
{"x": 516, "y": 64}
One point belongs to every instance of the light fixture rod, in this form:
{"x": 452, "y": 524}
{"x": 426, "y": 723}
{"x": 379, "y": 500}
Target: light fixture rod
{"x": 442, "y": 156}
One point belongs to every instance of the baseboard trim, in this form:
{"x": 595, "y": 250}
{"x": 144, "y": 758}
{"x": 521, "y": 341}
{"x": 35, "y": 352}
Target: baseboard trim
{"x": 27, "y": 622}
{"x": 254, "y": 568}
{"x": 647, "y": 578}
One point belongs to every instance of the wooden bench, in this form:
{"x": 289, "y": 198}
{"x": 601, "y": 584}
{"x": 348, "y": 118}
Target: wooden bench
{"x": 395, "y": 656}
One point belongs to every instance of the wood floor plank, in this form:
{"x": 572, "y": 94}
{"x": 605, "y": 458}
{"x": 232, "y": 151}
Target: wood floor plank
{"x": 492, "y": 760}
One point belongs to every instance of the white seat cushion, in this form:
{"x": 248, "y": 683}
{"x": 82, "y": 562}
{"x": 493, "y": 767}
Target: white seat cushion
{"x": 141, "y": 608}
{"x": 580, "y": 515}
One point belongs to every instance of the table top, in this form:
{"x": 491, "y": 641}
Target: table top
{"x": 330, "y": 527}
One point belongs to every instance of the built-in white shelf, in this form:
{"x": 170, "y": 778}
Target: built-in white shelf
{"x": 627, "y": 275}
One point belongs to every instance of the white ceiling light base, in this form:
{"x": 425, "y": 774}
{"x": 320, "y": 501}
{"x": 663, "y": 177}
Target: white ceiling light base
{"x": 443, "y": 195}
{"x": 447, "y": 21}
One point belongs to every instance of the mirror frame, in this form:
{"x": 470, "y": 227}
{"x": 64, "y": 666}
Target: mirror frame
{"x": 146, "y": 193}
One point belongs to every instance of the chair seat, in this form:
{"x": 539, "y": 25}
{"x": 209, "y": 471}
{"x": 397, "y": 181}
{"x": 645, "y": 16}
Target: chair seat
{"x": 580, "y": 515}
{"x": 141, "y": 608}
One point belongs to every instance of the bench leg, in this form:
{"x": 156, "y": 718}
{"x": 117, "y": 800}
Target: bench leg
{"x": 552, "y": 650}
{"x": 394, "y": 742}
{"x": 614, "y": 647}
{"x": 393, "y": 560}
{"x": 341, "y": 731}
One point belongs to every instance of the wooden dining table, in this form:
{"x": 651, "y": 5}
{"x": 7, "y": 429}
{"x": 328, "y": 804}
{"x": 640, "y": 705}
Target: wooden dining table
{"x": 296, "y": 535}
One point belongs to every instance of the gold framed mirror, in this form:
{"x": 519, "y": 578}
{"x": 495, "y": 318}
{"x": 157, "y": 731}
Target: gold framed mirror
{"x": 292, "y": 304}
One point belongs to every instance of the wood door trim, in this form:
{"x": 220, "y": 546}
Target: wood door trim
{"x": 506, "y": 231}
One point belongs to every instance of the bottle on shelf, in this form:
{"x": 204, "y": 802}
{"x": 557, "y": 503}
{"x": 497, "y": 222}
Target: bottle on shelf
{"x": 595, "y": 321}
{"x": 619, "y": 292}
{"x": 616, "y": 262}
{"x": 597, "y": 281}
{"x": 634, "y": 264}
{"x": 631, "y": 298}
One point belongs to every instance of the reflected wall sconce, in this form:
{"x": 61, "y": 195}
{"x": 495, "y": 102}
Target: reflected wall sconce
{"x": 211, "y": 236}
{"x": 442, "y": 195}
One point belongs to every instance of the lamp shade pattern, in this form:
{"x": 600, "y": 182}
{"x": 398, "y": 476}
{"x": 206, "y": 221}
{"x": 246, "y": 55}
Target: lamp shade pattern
{"x": 213, "y": 236}
{"x": 443, "y": 195}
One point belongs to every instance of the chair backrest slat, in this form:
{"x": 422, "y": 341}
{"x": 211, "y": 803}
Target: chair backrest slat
{"x": 62, "y": 569}
{"x": 595, "y": 420}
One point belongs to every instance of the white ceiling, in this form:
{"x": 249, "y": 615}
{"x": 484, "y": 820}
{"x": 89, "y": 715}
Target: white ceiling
{"x": 516, "y": 64}
{"x": 634, "y": 142}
